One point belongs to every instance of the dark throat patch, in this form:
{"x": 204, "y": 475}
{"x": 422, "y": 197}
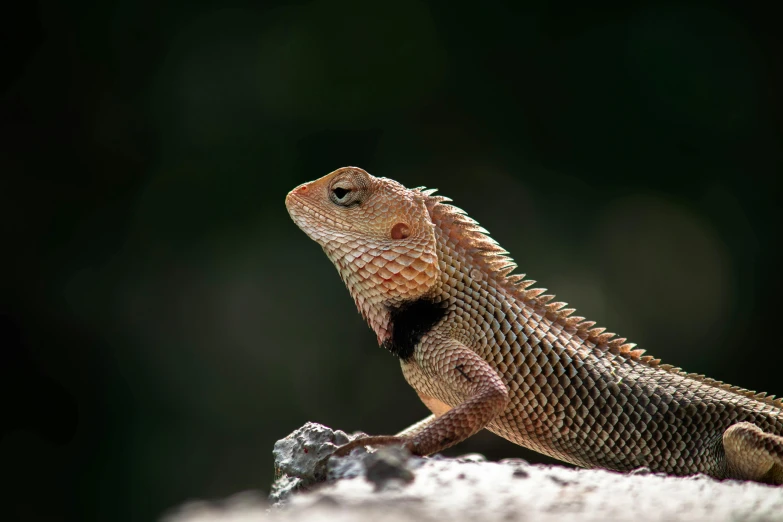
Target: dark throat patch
{"x": 409, "y": 322}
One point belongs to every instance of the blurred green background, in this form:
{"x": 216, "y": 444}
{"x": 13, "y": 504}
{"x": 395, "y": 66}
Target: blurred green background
{"x": 162, "y": 320}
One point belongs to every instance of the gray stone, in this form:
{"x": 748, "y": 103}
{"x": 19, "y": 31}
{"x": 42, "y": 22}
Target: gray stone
{"x": 389, "y": 464}
{"x": 301, "y": 458}
{"x": 389, "y": 485}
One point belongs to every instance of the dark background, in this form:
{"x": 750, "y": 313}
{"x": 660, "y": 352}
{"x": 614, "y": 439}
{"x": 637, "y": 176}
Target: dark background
{"x": 162, "y": 320}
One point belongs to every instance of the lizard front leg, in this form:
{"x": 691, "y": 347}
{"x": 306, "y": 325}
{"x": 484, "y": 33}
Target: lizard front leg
{"x": 753, "y": 454}
{"x": 458, "y": 372}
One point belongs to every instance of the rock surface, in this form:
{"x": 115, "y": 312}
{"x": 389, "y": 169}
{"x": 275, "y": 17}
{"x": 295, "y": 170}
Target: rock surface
{"x": 390, "y": 484}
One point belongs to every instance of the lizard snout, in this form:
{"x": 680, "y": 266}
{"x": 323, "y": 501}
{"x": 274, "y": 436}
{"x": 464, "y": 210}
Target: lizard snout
{"x": 301, "y": 190}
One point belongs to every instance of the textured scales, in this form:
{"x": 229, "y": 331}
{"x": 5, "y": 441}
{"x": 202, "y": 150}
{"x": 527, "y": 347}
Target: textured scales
{"x": 483, "y": 349}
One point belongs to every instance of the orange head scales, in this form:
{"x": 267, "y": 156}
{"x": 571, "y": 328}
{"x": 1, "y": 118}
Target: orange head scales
{"x": 378, "y": 234}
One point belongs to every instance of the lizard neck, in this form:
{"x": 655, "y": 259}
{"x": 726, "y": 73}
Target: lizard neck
{"x": 370, "y": 304}
{"x": 385, "y": 281}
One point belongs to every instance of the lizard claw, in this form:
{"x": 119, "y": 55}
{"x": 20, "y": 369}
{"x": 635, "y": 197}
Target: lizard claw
{"x": 380, "y": 440}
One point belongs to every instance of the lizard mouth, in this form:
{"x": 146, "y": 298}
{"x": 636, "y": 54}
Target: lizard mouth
{"x": 308, "y": 216}
{"x": 295, "y": 197}
{"x": 291, "y": 200}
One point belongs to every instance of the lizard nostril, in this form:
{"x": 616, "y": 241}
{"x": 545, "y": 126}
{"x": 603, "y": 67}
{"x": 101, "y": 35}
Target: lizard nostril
{"x": 303, "y": 188}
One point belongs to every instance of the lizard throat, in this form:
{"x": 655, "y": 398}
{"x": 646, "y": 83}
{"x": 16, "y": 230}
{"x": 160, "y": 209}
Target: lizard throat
{"x": 409, "y": 321}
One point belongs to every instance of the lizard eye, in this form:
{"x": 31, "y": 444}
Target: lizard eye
{"x": 340, "y": 193}
{"x": 345, "y": 195}
{"x": 350, "y": 188}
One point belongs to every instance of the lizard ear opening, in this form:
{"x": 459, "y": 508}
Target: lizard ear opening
{"x": 400, "y": 231}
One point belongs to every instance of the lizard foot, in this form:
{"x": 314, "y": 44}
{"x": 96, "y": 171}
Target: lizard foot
{"x": 380, "y": 440}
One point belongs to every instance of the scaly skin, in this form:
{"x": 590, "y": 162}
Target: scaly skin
{"x": 484, "y": 350}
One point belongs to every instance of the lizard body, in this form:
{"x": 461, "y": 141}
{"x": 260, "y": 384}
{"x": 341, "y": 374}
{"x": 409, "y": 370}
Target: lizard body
{"x": 483, "y": 349}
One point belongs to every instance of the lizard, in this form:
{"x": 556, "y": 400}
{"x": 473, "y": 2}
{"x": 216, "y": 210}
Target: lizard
{"x": 484, "y": 348}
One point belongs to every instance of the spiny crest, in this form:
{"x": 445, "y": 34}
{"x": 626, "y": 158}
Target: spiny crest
{"x": 474, "y": 238}
{"x": 475, "y": 241}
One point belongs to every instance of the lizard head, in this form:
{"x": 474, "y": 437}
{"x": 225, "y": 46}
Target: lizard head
{"x": 378, "y": 234}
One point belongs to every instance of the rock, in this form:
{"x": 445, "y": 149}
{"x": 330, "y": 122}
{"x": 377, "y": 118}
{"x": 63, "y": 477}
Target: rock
{"x": 389, "y": 484}
{"x": 244, "y": 506}
{"x": 301, "y": 458}
{"x": 389, "y": 464}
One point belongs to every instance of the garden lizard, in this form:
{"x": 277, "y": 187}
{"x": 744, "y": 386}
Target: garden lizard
{"x": 483, "y": 348}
